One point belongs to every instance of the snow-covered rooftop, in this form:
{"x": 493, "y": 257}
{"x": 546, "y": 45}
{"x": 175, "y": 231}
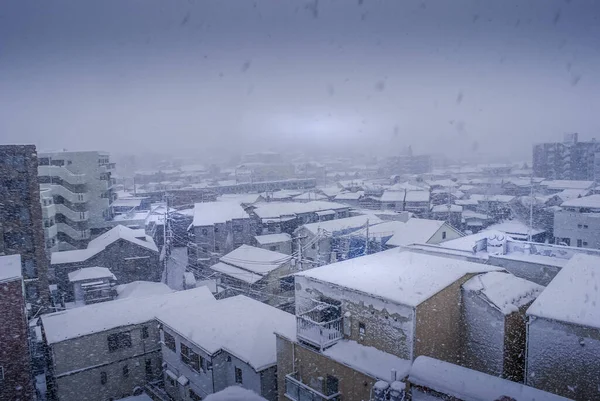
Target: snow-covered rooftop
{"x": 237, "y": 273}
{"x": 349, "y": 196}
{"x": 95, "y": 318}
{"x": 515, "y": 228}
{"x": 503, "y": 290}
{"x": 492, "y": 198}
{"x": 77, "y": 255}
{"x": 409, "y": 196}
{"x": 127, "y": 202}
{"x": 139, "y": 289}
{"x": 471, "y": 385}
{"x": 272, "y": 238}
{"x": 415, "y": 231}
{"x": 240, "y": 198}
{"x": 247, "y": 332}
{"x": 573, "y": 295}
{"x": 447, "y": 208}
{"x": 403, "y": 277}
{"x": 10, "y": 267}
{"x": 125, "y": 233}
{"x": 341, "y": 225}
{"x": 567, "y": 184}
{"x": 91, "y": 273}
{"x": 310, "y": 196}
{"x": 369, "y": 360}
{"x": 257, "y": 260}
{"x": 234, "y": 393}
{"x": 468, "y": 242}
{"x": 278, "y": 209}
{"x": 592, "y": 202}
{"x": 210, "y": 213}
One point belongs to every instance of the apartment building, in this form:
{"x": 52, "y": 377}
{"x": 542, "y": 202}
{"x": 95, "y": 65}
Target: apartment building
{"x": 49, "y": 221}
{"x": 15, "y": 370}
{"x": 106, "y": 350}
{"x": 578, "y": 223}
{"x": 219, "y": 344}
{"x": 21, "y": 216}
{"x": 81, "y": 185}
{"x": 563, "y": 332}
{"x": 365, "y": 319}
{"x": 567, "y": 160}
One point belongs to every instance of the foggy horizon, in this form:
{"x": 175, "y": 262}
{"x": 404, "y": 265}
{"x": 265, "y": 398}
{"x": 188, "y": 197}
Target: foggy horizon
{"x": 206, "y": 77}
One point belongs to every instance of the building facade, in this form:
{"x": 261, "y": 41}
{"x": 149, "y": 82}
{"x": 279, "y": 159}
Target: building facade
{"x": 578, "y": 223}
{"x": 567, "y": 160}
{"x": 81, "y": 185}
{"x": 22, "y": 229}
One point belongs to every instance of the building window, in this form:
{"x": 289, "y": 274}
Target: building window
{"x": 216, "y": 229}
{"x": 190, "y": 358}
{"x": 145, "y": 333}
{"x": 443, "y": 234}
{"x": 204, "y": 231}
{"x": 194, "y": 396}
{"x": 332, "y": 385}
{"x": 585, "y": 226}
{"x": 273, "y": 248}
{"x": 585, "y": 243}
{"x": 149, "y": 372}
{"x": 362, "y": 329}
{"x": 238, "y": 376}
{"x": 103, "y": 378}
{"x": 579, "y": 243}
{"x": 217, "y": 249}
{"x": 169, "y": 341}
{"x": 119, "y": 340}
{"x": 579, "y": 226}
{"x": 125, "y": 371}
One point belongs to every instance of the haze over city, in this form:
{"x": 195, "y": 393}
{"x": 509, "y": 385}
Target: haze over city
{"x": 196, "y": 77}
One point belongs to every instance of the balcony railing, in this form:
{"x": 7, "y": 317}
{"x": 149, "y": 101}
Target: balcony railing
{"x": 321, "y": 335}
{"x": 295, "y": 390}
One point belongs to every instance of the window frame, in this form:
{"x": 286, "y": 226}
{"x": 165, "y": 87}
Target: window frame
{"x": 169, "y": 339}
{"x": 239, "y": 375}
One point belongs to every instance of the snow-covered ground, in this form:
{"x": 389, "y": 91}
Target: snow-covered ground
{"x": 235, "y": 393}
{"x": 175, "y": 268}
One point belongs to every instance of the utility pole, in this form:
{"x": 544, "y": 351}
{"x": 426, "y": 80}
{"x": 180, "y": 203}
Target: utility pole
{"x": 367, "y": 239}
{"x": 165, "y": 240}
{"x": 318, "y": 246}
{"x": 530, "y": 210}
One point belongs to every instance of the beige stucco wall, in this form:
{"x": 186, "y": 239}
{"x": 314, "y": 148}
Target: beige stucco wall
{"x": 439, "y": 331}
{"x": 310, "y": 365}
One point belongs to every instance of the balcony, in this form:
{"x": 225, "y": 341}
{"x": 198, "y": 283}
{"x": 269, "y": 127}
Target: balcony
{"x": 73, "y": 197}
{"x": 295, "y": 390}
{"x": 62, "y": 173}
{"x": 71, "y": 214}
{"x": 73, "y": 233}
{"x": 321, "y": 326}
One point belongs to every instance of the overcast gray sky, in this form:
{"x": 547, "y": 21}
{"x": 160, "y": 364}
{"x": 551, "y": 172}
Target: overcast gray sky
{"x": 456, "y": 76}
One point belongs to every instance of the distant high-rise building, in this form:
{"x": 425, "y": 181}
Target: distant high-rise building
{"x": 567, "y": 160}
{"x": 21, "y": 215}
{"x": 81, "y": 187}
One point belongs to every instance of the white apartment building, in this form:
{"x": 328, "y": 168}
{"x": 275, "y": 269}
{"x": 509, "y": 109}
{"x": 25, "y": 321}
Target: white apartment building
{"x": 81, "y": 187}
{"x": 49, "y": 221}
{"x": 578, "y": 223}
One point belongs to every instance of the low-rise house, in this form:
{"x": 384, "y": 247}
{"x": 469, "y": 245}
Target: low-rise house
{"x": 106, "y": 350}
{"x": 217, "y": 228}
{"x": 403, "y": 304}
{"x": 322, "y": 242}
{"x": 310, "y": 196}
{"x": 275, "y": 242}
{"x": 555, "y": 186}
{"x": 255, "y": 272}
{"x": 220, "y": 344}
{"x": 416, "y": 201}
{"x": 430, "y": 379}
{"x": 130, "y": 204}
{"x": 449, "y": 212}
{"x": 350, "y": 198}
{"x": 423, "y": 231}
{"x": 15, "y": 368}
{"x": 497, "y": 207}
{"x": 578, "y": 223}
{"x": 473, "y": 221}
{"x": 563, "y": 332}
{"x": 131, "y": 255}
{"x": 519, "y": 231}
{"x": 92, "y": 284}
{"x": 494, "y": 306}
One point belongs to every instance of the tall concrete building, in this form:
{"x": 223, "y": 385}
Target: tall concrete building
{"x": 567, "y": 160}
{"x": 21, "y": 216}
{"x": 81, "y": 186}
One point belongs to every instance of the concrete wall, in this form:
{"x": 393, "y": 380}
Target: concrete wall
{"x": 221, "y": 238}
{"x": 281, "y": 247}
{"x": 515, "y": 337}
{"x": 224, "y": 373}
{"x": 438, "y": 237}
{"x": 535, "y": 272}
{"x": 311, "y": 365}
{"x": 439, "y": 328}
{"x": 563, "y": 359}
{"x": 568, "y": 224}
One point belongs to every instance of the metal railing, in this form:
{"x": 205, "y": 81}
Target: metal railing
{"x": 295, "y": 390}
{"x": 319, "y": 334}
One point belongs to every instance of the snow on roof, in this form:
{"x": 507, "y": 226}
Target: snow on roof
{"x": 234, "y": 393}
{"x": 446, "y": 208}
{"x": 95, "y": 318}
{"x": 415, "y": 231}
{"x": 272, "y": 238}
{"x": 467, "y": 243}
{"x": 77, "y": 255}
{"x": 257, "y": 260}
{"x": 237, "y": 273}
{"x": 417, "y": 196}
{"x": 567, "y": 184}
{"x": 127, "y": 202}
{"x": 277, "y": 209}
{"x": 402, "y": 186}
{"x": 492, "y": 198}
{"x": 349, "y": 196}
{"x": 592, "y": 202}
{"x": 122, "y": 232}
{"x": 503, "y": 290}
{"x": 469, "y": 214}
{"x": 568, "y": 194}
{"x": 515, "y": 228}
{"x": 10, "y": 267}
{"x": 466, "y": 202}
{"x": 247, "y": 332}
{"x": 210, "y": 213}
{"x": 91, "y": 273}
{"x": 368, "y": 360}
{"x": 141, "y": 397}
{"x": 330, "y": 191}
{"x": 403, "y": 277}
{"x": 409, "y": 196}
{"x": 138, "y": 289}
{"x": 341, "y": 225}
{"x": 572, "y": 296}
{"x": 310, "y": 196}
{"x": 470, "y": 385}
{"x": 240, "y": 198}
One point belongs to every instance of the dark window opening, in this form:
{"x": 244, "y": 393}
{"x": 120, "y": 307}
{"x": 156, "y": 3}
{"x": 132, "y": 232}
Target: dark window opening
{"x": 169, "y": 341}
{"x": 119, "y": 340}
{"x": 238, "y": 376}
